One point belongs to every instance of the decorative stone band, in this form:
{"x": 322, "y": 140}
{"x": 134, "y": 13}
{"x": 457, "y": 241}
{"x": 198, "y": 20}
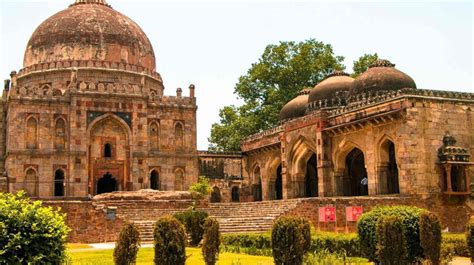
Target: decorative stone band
{"x": 260, "y": 135}
{"x": 97, "y": 2}
{"x": 219, "y": 153}
{"x": 89, "y": 65}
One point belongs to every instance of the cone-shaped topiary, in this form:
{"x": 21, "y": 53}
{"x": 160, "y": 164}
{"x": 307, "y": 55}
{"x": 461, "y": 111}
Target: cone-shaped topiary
{"x": 211, "y": 241}
{"x": 169, "y": 240}
{"x": 470, "y": 237}
{"x": 290, "y": 240}
{"x": 127, "y": 245}
{"x": 430, "y": 237}
{"x": 391, "y": 243}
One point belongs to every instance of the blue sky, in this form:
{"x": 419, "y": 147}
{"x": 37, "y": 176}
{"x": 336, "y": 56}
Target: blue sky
{"x": 212, "y": 43}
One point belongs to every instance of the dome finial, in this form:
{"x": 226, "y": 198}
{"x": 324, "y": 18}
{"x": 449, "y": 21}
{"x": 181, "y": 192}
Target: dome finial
{"x": 98, "y": 2}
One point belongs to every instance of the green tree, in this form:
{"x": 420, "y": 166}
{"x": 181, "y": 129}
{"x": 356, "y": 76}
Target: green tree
{"x": 363, "y": 63}
{"x": 281, "y": 72}
{"x": 200, "y": 189}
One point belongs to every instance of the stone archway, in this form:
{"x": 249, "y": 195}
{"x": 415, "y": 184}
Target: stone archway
{"x": 355, "y": 181}
{"x": 109, "y": 154}
{"x": 388, "y": 169}
{"x": 154, "y": 180}
{"x": 278, "y": 184}
{"x": 106, "y": 184}
{"x": 257, "y": 184}
{"x": 311, "y": 177}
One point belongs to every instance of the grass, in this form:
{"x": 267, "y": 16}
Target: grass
{"x": 145, "y": 256}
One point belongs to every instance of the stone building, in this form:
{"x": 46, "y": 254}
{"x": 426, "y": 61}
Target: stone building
{"x": 374, "y": 135}
{"x": 87, "y": 113}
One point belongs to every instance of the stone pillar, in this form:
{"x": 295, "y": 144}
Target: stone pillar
{"x": 449, "y": 187}
{"x": 179, "y": 92}
{"x": 285, "y": 176}
{"x": 191, "y": 91}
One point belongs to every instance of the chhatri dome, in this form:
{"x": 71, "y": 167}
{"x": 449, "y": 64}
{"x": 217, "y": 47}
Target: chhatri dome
{"x": 338, "y": 82}
{"x": 90, "y": 30}
{"x": 296, "y": 107}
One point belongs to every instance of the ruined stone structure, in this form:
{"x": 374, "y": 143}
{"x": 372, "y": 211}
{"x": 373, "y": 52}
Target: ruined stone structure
{"x": 87, "y": 114}
{"x": 374, "y": 135}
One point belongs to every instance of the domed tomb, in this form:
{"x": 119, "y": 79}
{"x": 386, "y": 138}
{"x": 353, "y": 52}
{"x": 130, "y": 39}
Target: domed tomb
{"x": 382, "y": 76}
{"x": 338, "y": 83}
{"x": 296, "y": 107}
{"x": 90, "y": 30}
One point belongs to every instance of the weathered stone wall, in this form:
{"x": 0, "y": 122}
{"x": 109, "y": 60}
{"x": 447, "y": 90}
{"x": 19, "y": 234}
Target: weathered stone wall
{"x": 454, "y": 213}
{"x": 88, "y": 224}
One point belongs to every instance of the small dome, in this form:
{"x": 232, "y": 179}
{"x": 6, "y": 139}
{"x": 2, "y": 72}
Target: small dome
{"x": 381, "y": 76}
{"x": 90, "y": 30}
{"x": 333, "y": 84}
{"x": 296, "y": 107}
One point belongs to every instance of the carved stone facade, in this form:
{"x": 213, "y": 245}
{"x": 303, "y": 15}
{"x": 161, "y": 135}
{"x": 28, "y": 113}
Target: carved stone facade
{"x": 75, "y": 124}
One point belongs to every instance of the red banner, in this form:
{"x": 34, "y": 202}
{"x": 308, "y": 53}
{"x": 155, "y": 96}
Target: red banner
{"x": 327, "y": 214}
{"x": 353, "y": 213}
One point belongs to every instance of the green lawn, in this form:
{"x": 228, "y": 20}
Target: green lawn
{"x": 145, "y": 256}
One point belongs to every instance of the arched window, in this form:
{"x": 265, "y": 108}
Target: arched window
{"x": 154, "y": 135}
{"x": 31, "y": 183}
{"x": 235, "y": 194}
{"x": 107, "y": 150}
{"x": 31, "y": 133}
{"x": 355, "y": 181}
{"x": 60, "y": 134}
{"x": 179, "y": 136}
{"x": 154, "y": 180}
{"x": 179, "y": 179}
{"x": 59, "y": 183}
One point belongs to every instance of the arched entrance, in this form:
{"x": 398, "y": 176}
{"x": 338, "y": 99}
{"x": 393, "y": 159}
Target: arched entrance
{"x": 311, "y": 177}
{"x": 235, "y": 194}
{"x": 257, "y": 184}
{"x": 388, "y": 171}
{"x": 215, "y": 195}
{"x": 59, "y": 183}
{"x": 154, "y": 180}
{"x": 106, "y": 184}
{"x": 278, "y": 184}
{"x": 355, "y": 181}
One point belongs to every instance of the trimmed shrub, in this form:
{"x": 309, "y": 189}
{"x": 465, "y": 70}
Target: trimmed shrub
{"x": 127, "y": 245}
{"x": 470, "y": 237}
{"x": 430, "y": 236}
{"x": 391, "y": 244}
{"x": 169, "y": 240}
{"x": 251, "y": 240}
{"x": 410, "y": 218}
{"x": 211, "y": 241}
{"x": 347, "y": 244}
{"x": 193, "y": 221}
{"x": 29, "y": 232}
{"x": 456, "y": 242}
{"x": 290, "y": 240}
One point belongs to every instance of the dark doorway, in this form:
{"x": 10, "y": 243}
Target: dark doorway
{"x": 311, "y": 177}
{"x": 355, "y": 176}
{"x": 392, "y": 174}
{"x": 458, "y": 183}
{"x": 106, "y": 184}
{"x": 215, "y": 195}
{"x": 257, "y": 190}
{"x": 279, "y": 184}
{"x": 107, "y": 150}
{"x": 59, "y": 183}
{"x": 154, "y": 180}
{"x": 235, "y": 194}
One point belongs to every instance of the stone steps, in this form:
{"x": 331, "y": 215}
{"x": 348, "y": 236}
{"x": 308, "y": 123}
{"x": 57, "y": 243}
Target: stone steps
{"x": 232, "y": 217}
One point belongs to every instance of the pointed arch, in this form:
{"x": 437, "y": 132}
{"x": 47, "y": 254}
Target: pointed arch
{"x": 179, "y": 136}
{"x": 302, "y": 167}
{"x": 387, "y": 166}
{"x": 60, "y": 133}
{"x": 31, "y": 136}
{"x": 30, "y": 183}
{"x": 215, "y": 195}
{"x": 154, "y": 135}
{"x": 256, "y": 183}
{"x": 178, "y": 179}
{"x": 59, "y": 183}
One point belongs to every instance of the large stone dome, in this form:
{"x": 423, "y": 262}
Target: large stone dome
{"x": 90, "y": 30}
{"x": 296, "y": 107}
{"x": 334, "y": 84}
{"x": 382, "y": 76}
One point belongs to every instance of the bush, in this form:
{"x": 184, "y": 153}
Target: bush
{"x": 456, "y": 242}
{"x": 201, "y": 189}
{"x": 410, "y": 218}
{"x": 290, "y": 240}
{"x": 391, "y": 243}
{"x": 169, "y": 240}
{"x": 211, "y": 241}
{"x": 127, "y": 245}
{"x": 430, "y": 236}
{"x": 470, "y": 237}
{"x": 29, "y": 232}
{"x": 251, "y": 240}
{"x": 347, "y": 244}
{"x": 193, "y": 221}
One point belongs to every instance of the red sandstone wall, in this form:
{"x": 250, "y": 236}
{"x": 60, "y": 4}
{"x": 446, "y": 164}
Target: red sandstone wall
{"x": 88, "y": 225}
{"x": 453, "y": 212}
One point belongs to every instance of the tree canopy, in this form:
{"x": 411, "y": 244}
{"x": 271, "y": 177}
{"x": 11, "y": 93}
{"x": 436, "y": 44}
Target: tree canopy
{"x": 363, "y": 63}
{"x": 281, "y": 72}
